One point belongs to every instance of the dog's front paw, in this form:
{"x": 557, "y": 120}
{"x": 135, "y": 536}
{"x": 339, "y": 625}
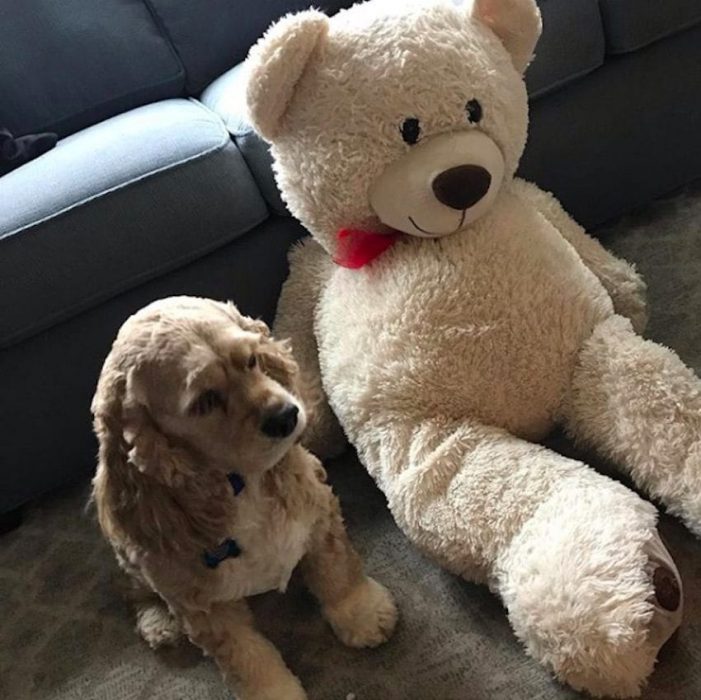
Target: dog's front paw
{"x": 156, "y": 624}
{"x": 364, "y": 618}
{"x": 286, "y": 687}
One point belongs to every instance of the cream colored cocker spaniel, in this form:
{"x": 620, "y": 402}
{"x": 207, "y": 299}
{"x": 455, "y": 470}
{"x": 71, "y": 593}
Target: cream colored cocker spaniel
{"x": 207, "y": 497}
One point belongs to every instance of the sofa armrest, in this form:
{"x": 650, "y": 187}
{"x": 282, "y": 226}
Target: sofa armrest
{"x": 226, "y": 96}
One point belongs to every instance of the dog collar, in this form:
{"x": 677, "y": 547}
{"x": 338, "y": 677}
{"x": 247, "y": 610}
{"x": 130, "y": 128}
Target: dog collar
{"x": 229, "y": 548}
{"x": 356, "y": 248}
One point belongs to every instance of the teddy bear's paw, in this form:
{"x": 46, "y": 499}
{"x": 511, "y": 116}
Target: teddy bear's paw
{"x": 633, "y": 307}
{"x": 629, "y": 294}
{"x": 157, "y": 626}
{"x": 285, "y": 687}
{"x": 364, "y": 618}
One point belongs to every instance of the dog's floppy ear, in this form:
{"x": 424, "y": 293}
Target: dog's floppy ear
{"x": 150, "y": 451}
{"x": 106, "y": 408}
{"x": 134, "y": 487}
{"x": 275, "y": 65}
{"x": 517, "y": 24}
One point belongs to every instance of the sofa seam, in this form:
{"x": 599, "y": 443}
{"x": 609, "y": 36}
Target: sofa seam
{"x": 649, "y": 42}
{"x": 558, "y": 84}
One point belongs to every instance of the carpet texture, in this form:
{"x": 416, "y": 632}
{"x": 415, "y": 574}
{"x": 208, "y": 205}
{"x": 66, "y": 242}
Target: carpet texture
{"x": 65, "y": 634}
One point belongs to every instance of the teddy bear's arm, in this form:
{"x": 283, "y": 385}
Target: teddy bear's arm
{"x": 620, "y": 279}
{"x": 309, "y": 267}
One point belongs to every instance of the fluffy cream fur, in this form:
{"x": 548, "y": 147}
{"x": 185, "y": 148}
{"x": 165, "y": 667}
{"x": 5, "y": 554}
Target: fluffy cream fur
{"x": 450, "y": 356}
{"x": 163, "y": 496}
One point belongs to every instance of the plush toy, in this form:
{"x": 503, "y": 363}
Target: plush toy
{"x": 454, "y": 315}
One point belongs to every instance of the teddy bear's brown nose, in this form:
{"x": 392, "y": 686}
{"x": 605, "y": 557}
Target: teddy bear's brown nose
{"x": 462, "y": 186}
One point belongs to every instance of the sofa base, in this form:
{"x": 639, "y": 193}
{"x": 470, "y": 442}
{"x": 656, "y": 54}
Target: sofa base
{"x": 10, "y": 521}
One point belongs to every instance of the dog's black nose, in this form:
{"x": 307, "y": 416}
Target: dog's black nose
{"x": 280, "y": 421}
{"x": 462, "y": 186}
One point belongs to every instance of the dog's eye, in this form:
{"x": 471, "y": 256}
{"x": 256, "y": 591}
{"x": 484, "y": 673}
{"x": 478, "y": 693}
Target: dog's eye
{"x": 474, "y": 111}
{"x": 411, "y": 130}
{"x": 206, "y": 402}
{"x": 252, "y": 362}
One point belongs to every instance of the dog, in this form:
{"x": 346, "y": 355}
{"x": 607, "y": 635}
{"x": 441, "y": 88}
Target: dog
{"x": 207, "y": 496}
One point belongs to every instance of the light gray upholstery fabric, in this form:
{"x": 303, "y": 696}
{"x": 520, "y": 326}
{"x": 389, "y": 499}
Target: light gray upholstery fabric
{"x": 107, "y": 156}
{"x": 115, "y": 205}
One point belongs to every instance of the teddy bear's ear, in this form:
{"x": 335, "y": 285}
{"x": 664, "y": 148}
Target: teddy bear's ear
{"x": 517, "y": 23}
{"x": 275, "y": 65}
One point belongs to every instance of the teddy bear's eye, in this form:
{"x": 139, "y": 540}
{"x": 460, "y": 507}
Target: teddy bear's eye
{"x": 411, "y": 130}
{"x": 474, "y": 111}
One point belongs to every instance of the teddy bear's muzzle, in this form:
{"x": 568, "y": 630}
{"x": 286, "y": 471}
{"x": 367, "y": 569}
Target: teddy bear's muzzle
{"x": 441, "y": 185}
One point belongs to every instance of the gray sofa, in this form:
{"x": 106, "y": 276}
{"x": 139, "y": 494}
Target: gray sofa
{"x": 157, "y": 186}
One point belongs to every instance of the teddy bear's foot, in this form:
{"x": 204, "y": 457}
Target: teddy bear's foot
{"x": 591, "y": 590}
{"x": 364, "y": 618}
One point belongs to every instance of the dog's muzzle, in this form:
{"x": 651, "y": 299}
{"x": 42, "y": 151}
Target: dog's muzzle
{"x": 280, "y": 421}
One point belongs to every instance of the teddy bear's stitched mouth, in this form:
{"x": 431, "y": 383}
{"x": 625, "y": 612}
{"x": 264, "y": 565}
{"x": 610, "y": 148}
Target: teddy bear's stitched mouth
{"x": 440, "y": 233}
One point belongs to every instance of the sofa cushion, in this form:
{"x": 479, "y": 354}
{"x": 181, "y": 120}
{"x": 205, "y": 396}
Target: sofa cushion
{"x": 213, "y": 35}
{"x": 69, "y": 64}
{"x": 115, "y": 205}
{"x": 632, "y": 24}
{"x": 571, "y": 46}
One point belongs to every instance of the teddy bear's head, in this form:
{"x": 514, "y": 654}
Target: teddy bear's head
{"x": 391, "y": 115}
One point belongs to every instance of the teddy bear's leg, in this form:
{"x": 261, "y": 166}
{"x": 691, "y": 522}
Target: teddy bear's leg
{"x": 639, "y": 405}
{"x": 309, "y": 265}
{"x": 574, "y": 555}
{"x": 619, "y": 278}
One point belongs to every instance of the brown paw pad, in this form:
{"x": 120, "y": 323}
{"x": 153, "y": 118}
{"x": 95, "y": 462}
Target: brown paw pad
{"x": 667, "y": 590}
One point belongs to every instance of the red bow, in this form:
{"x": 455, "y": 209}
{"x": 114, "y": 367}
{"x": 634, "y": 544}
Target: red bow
{"x": 355, "y": 248}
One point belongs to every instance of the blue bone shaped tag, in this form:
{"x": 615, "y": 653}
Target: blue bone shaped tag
{"x": 237, "y": 482}
{"x": 227, "y": 549}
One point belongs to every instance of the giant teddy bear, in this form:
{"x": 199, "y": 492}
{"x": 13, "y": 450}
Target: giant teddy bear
{"x": 453, "y": 315}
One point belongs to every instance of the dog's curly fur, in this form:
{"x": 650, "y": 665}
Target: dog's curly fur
{"x": 179, "y": 406}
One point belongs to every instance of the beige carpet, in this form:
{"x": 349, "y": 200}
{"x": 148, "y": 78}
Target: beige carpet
{"x": 65, "y": 634}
